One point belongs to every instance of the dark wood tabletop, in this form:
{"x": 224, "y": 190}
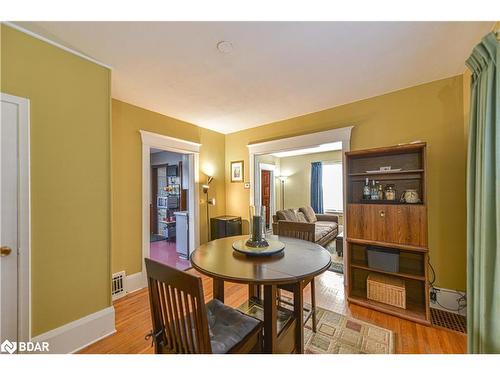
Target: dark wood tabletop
{"x": 300, "y": 260}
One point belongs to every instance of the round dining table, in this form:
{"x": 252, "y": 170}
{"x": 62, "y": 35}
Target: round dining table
{"x": 299, "y": 262}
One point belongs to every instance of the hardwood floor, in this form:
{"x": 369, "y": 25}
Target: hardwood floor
{"x": 133, "y": 321}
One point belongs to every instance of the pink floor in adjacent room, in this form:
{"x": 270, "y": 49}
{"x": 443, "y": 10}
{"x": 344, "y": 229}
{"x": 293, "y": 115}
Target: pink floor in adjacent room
{"x": 164, "y": 252}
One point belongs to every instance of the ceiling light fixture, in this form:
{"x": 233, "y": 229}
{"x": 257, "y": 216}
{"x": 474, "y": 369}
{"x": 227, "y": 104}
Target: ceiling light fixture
{"x": 224, "y": 46}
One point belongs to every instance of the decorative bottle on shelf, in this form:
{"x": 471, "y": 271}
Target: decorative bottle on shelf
{"x": 390, "y": 192}
{"x": 380, "y": 191}
{"x": 366, "y": 190}
{"x": 374, "y": 191}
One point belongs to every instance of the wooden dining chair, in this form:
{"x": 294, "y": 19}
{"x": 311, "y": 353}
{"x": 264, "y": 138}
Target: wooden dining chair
{"x": 184, "y": 324}
{"x": 311, "y": 314}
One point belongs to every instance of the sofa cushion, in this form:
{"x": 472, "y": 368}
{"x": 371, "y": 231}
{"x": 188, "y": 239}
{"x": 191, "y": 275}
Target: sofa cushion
{"x": 309, "y": 214}
{"x": 227, "y": 326}
{"x": 328, "y": 224}
{"x": 323, "y": 228}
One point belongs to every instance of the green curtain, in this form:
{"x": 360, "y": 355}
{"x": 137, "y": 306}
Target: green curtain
{"x": 483, "y": 199}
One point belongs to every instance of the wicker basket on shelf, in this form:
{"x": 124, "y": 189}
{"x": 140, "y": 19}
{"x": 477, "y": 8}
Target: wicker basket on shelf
{"x": 386, "y": 289}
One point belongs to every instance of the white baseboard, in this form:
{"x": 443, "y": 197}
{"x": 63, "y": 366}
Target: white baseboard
{"x": 80, "y": 333}
{"x": 448, "y": 301}
{"x": 135, "y": 282}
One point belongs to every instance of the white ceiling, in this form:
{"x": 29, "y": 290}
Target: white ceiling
{"x": 277, "y": 70}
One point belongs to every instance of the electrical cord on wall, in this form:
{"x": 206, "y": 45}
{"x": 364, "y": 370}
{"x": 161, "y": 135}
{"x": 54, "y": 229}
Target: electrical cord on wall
{"x": 461, "y": 301}
{"x": 433, "y": 272}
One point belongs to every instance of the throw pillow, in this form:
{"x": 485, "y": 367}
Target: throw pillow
{"x": 309, "y": 214}
{"x": 290, "y": 215}
{"x": 281, "y": 215}
{"x": 301, "y": 217}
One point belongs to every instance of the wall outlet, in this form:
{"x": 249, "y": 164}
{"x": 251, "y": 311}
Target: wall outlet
{"x": 433, "y": 295}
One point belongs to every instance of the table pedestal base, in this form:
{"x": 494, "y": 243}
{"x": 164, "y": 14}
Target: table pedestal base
{"x": 283, "y": 328}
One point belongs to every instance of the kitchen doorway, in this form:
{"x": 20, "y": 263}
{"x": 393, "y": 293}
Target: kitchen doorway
{"x": 189, "y": 151}
{"x": 169, "y": 231}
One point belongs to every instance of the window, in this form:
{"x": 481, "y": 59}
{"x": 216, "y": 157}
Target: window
{"x": 332, "y": 187}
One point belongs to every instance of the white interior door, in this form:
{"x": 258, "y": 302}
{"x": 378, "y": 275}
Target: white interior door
{"x": 9, "y": 238}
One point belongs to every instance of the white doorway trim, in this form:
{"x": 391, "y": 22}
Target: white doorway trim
{"x": 166, "y": 143}
{"x": 296, "y": 143}
{"x": 24, "y": 212}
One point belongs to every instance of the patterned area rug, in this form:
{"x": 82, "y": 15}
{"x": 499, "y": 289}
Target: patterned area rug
{"x": 337, "y": 262}
{"x": 338, "y": 334}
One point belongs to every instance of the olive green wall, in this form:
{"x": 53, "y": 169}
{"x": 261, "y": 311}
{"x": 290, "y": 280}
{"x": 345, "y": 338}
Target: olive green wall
{"x": 70, "y": 176}
{"x": 433, "y": 113}
{"x": 127, "y": 120}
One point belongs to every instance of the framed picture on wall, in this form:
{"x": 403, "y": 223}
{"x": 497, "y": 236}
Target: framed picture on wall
{"x": 237, "y": 172}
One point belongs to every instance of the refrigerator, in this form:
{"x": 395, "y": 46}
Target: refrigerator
{"x": 182, "y": 233}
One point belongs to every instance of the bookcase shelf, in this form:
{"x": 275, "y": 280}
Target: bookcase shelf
{"x": 414, "y": 312}
{"x": 387, "y": 173}
{"x": 400, "y": 274}
{"x": 385, "y": 244}
{"x": 385, "y": 201}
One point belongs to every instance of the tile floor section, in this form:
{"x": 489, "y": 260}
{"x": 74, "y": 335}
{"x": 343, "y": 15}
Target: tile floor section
{"x": 165, "y": 252}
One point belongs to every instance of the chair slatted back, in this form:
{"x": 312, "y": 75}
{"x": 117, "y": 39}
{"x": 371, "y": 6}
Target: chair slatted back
{"x": 178, "y": 310}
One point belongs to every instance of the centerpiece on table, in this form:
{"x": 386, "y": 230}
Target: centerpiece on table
{"x": 257, "y": 244}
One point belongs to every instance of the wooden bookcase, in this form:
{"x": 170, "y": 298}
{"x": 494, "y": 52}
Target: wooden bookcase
{"x": 388, "y": 224}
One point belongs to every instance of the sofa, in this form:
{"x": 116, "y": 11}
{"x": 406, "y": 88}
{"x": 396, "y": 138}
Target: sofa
{"x": 305, "y": 224}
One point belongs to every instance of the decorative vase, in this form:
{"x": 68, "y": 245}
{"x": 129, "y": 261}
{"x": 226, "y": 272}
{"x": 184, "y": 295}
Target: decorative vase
{"x": 257, "y": 227}
{"x": 410, "y": 196}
